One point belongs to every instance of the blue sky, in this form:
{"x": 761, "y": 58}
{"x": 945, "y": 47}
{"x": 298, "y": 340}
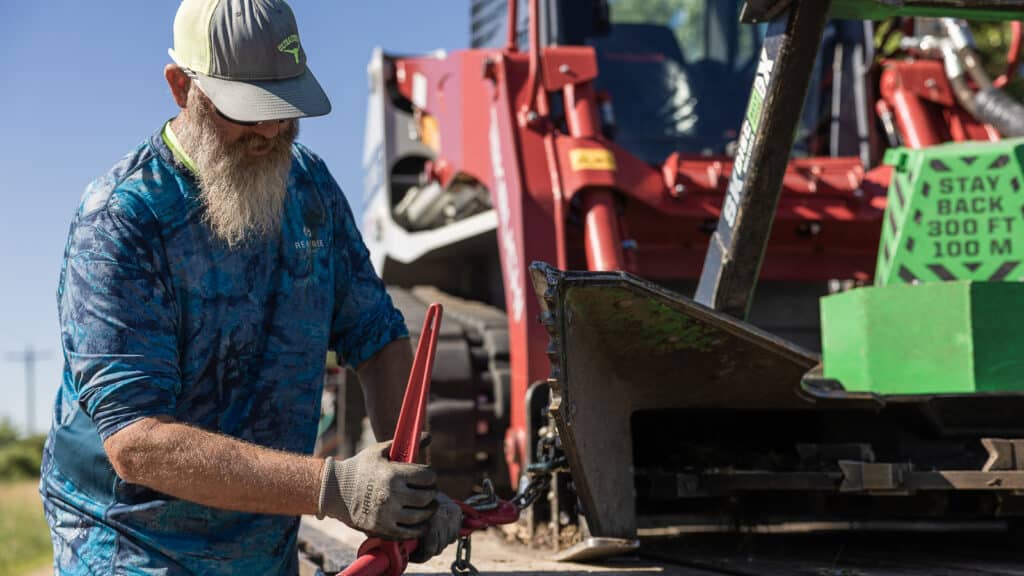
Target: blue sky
{"x": 83, "y": 84}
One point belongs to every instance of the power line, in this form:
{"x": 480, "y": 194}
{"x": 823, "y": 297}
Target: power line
{"x": 29, "y": 357}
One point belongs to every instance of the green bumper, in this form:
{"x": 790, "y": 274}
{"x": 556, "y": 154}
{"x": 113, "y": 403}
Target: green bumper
{"x": 938, "y": 338}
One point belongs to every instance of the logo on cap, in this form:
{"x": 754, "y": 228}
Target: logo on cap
{"x": 290, "y": 45}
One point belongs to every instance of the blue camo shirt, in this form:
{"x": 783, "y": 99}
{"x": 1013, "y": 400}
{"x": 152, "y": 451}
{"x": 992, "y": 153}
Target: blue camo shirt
{"x": 159, "y": 318}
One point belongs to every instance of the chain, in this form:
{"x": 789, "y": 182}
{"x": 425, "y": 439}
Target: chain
{"x": 462, "y": 565}
{"x": 487, "y": 500}
{"x": 537, "y": 487}
{"x": 550, "y": 461}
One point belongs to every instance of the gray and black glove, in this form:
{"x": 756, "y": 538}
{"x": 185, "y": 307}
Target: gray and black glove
{"x": 442, "y": 531}
{"x": 386, "y": 499}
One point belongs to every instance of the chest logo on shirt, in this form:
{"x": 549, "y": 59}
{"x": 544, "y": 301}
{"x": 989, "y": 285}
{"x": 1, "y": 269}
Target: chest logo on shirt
{"x": 309, "y": 242}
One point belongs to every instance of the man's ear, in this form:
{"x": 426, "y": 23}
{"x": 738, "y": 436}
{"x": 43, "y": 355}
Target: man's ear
{"x": 178, "y": 82}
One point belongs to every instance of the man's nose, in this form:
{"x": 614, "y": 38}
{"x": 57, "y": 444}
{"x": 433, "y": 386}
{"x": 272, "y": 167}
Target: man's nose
{"x": 269, "y": 129}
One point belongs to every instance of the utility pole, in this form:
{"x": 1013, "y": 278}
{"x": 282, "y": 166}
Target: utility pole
{"x": 28, "y": 358}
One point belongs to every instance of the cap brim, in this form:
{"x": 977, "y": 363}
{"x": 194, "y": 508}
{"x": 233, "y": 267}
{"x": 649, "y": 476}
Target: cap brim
{"x": 260, "y": 101}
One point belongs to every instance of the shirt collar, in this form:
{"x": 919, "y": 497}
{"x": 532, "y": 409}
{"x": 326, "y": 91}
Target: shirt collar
{"x": 171, "y": 140}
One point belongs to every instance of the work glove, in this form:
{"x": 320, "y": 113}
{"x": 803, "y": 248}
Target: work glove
{"x": 389, "y": 500}
{"x": 443, "y": 530}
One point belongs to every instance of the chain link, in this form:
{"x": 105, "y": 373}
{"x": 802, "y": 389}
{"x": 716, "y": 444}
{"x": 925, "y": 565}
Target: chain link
{"x": 487, "y": 500}
{"x": 537, "y": 487}
{"x": 549, "y": 461}
{"x": 462, "y": 565}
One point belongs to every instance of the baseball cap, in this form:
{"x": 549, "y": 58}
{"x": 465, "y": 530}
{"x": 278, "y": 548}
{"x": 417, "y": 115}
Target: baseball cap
{"x": 247, "y": 58}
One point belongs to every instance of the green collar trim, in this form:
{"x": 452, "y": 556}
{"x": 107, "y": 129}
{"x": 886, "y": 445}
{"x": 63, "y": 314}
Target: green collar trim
{"x": 179, "y": 153}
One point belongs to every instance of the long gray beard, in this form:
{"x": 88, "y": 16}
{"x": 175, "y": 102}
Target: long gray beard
{"x": 243, "y": 195}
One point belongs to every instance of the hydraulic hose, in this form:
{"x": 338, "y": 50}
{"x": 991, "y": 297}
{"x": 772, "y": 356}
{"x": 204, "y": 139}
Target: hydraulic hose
{"x": 999, "y": 109}
{"x": 992, "y": 105}
{"x": 989, "y": 104}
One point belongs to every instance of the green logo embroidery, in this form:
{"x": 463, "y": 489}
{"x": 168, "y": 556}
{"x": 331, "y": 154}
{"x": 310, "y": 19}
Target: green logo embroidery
{"x": 290, "y": 45}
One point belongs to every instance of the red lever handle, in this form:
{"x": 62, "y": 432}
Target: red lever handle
{"x": 406, "y": 445}
{"x": 381, "y": 557}
{"x": 387, "y": 558}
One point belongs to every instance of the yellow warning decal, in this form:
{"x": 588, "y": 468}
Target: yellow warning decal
{"x": 591, "y": 159}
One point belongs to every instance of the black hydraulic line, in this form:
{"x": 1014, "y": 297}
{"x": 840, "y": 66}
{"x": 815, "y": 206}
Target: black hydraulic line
{"x": 999, "y": 109}
{"x": 736, "y": 249}
{"x": 989, "y": 104}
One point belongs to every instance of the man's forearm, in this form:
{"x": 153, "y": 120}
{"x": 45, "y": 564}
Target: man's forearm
{"x": 383, "y": 379}
{"x": 215, "y": 470}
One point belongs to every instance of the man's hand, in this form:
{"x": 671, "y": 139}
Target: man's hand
{"x": 387, "y": 499}
{"x": 442, "y": 531}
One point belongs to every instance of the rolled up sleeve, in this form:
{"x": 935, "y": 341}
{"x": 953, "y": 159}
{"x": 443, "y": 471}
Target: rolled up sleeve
{"x": 118, "y": 320}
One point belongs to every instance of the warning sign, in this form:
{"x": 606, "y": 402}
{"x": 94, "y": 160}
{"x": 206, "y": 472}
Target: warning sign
{"x": 591, "y": 159}
{"x": 955, "y": 212}
{"x": 970, "y": 219}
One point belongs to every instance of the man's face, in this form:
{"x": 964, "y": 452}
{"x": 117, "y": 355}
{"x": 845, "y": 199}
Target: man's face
{"x": 259, "y": 138}
{"x": 242, "y": 170}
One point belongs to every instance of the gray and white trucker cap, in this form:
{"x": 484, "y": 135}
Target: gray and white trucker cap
{"x": 247, "y": 57}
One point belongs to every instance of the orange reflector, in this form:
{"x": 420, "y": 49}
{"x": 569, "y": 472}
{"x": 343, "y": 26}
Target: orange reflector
{"x": 429, "y": 133}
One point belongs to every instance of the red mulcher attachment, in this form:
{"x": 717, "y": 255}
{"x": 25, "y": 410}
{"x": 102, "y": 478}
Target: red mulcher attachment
{"x": 389, "y": 558}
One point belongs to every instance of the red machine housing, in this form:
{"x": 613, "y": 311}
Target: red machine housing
{"x": 565, "y": 194}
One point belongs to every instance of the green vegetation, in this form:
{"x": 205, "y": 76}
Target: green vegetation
{"x": 19, "y": 457}
{"x": 24, "y": 536}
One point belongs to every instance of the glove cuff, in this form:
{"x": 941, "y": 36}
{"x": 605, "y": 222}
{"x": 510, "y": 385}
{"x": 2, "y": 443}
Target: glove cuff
{"x": 328, "y": 486}
{"x": 337, "y": 491}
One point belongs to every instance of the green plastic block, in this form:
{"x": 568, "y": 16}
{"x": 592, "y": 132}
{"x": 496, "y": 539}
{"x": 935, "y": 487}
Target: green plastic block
{"x": 954, "y": 212}
{"x": 940, "y": 338}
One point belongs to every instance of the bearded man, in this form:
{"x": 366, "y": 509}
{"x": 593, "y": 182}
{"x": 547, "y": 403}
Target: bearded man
{"x": 205, "y": 277}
